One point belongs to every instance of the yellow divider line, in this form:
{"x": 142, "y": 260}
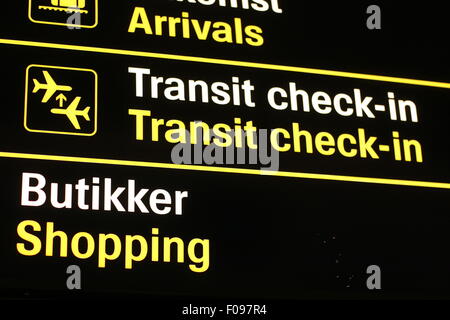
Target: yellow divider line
{"x": 341, "y": 74}
{"x": 130, "y": 163}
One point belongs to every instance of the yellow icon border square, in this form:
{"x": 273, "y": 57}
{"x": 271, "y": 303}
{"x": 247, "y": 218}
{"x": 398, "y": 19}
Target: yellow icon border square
{"x": 63, "y": 24}
{"x": 60, "y": 132}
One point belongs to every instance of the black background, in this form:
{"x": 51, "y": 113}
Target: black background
{"x": 271, "y": 238}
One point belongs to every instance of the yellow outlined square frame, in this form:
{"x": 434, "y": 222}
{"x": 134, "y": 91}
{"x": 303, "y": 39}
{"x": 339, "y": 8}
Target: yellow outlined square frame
{"x": 61, "y": 132}
{"x": 30, "y": 2}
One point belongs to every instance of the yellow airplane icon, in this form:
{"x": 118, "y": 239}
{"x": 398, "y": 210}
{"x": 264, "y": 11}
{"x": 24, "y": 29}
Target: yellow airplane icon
{"x": 50, "y": 86}
{"x": 72, "y": 113}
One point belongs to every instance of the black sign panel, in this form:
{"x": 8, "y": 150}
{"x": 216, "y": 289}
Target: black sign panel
{"x": 223, "y": 149}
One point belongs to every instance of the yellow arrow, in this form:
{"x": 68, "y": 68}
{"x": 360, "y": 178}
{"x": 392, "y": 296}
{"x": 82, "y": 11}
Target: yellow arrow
{"x": 61, "y": 98}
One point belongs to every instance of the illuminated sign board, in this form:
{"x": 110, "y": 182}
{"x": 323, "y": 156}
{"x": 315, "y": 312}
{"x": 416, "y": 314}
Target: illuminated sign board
{"x": 184, "y": 149}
